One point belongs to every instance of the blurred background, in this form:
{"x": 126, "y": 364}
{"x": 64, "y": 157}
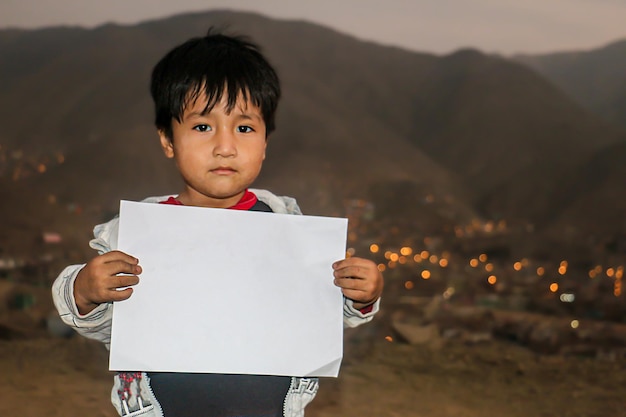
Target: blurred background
{"x": 477, "y": 148}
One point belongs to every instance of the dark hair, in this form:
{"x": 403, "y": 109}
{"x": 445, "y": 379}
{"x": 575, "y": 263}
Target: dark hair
{"x": 213, "y": 65}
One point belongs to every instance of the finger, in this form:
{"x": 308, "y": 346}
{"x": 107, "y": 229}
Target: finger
{"x": 114, "y": 268}
{"x": 359, "y": 296}
{"x": 122, "y": 281}
{"x": 354, "y": 261}
{"x": 351, "y": 284}
{"x": 111, "y": 293}
{"x": 354, "y": 272}
{"x": 118, "y": 256}
{"x": 359, "y": 289}
{"x": 357, "y": 267}
{"x": 121, "y": 295}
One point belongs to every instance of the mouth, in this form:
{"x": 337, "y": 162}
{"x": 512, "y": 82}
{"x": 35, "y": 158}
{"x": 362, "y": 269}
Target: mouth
{"x": 223, "y": 170}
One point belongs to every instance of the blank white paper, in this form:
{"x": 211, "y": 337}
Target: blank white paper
{"x": 228, "y": 291}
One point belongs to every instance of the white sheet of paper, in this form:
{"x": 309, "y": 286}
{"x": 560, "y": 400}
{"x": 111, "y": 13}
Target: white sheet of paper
{"x": 228, "y": 291}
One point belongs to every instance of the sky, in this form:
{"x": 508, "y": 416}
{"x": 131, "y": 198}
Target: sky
{"x": 437, "y": 26}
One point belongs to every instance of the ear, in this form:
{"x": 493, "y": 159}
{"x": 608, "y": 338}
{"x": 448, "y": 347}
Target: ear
{"x": 166, "y": 144}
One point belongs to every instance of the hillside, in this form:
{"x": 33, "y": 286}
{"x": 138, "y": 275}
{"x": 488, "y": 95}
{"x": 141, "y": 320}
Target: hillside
{"x": 509, "y": 133}
{"x": 595, "y": 78}
{"x": 474, "y": 135}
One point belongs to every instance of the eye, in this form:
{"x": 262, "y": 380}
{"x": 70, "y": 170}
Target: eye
{"x": 202, "y": 128}
{"x": 244, "y": 129}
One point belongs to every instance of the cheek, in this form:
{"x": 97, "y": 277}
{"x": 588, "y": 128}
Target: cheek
{"x": 256, "y": 153}
{"x": 256, "y": 162}
{"x": 190, "y": 159}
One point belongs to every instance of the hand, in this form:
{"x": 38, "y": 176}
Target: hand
{"x": 98, "y": 281}
{"x": 359, "y": 280}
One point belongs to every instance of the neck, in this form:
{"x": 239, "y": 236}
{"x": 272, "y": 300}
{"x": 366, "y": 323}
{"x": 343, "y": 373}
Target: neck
{"x": 242, "y": 201}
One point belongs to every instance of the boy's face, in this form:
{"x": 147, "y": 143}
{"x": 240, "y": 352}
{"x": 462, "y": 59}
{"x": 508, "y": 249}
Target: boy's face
{"x": 218, "y": 154}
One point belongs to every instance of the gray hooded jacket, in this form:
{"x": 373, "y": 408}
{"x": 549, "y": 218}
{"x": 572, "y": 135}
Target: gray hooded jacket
{"x": 131, "y": 394}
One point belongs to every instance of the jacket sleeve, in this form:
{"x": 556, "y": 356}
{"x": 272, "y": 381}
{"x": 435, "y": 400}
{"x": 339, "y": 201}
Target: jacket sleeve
{"x": 97, "y": 323}
{"x": 353, "y": 317}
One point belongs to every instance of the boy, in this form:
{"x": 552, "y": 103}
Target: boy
{"x": 215, "y": 99}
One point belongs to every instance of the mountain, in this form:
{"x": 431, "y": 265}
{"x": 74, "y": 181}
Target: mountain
{"x": 595, "y": 78}
{"x": 81, "y": 96}
{"x": 434, "y": 142}
{"x": 508, "y": 132}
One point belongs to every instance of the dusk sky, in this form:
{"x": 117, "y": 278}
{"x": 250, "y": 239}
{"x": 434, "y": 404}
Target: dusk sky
{"x": 438, "y": 26}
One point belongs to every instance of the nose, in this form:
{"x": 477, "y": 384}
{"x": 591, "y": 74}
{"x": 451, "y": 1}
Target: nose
{"x": 225, "y": 144}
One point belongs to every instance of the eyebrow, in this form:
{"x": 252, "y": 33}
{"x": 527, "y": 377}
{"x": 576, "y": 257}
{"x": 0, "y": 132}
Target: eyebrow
{"x": 249, "y": 116}
{"x": 241, "y": 113}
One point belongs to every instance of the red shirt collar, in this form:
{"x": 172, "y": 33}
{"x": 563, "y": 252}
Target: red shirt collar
{"x": 248, "y": 200}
